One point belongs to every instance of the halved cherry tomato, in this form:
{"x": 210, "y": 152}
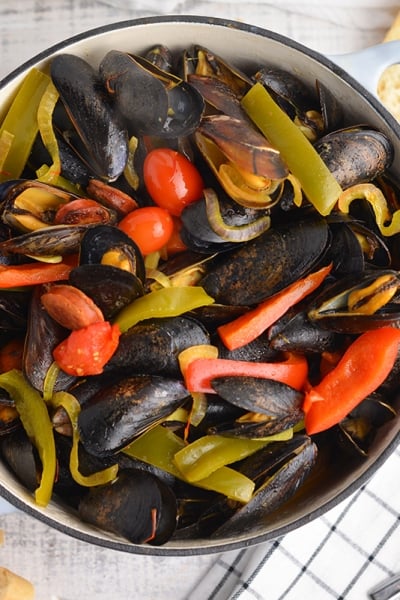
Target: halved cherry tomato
{"x": 85, "y": 351}
{"x": 171, "y": 179}
{"x": 150, "y": 227}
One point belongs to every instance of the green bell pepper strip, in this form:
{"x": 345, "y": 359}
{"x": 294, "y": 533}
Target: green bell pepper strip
{"x": 21, "y": 122}
{"x": 166, "y": 302}
{"x": 72, "y": 407}
{"x": 210, "y": 452}
{"x": 317, "y": 182}
{"x": 388, "y": 224}
{"x": 36, "y": 421}
{"x": 159, "y": 445}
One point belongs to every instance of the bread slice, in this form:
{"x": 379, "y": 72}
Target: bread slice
{"x": 389, "y": 83}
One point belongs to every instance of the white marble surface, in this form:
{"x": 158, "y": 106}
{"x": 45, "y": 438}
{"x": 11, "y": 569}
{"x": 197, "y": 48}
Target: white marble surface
{"x": 60, "y": 566}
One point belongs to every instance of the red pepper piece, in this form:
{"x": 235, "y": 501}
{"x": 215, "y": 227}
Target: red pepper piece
{"x": 85, "y": 351}
{"x": 253, "y": 323}
{"x": 362, "y": 368}
{"x": 200, "y": 372}
{"x": 32, "y": 274}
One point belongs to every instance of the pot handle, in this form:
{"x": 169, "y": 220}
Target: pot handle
{"x": 367, "y": 65}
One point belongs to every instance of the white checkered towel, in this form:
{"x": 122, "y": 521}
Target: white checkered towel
{"x": 341, "y": 555}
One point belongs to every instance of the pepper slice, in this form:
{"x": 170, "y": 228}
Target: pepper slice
{"x": 21, "y": 122}
{"x": 166, "y": 302}
{"x": 210, "y": 452}
{"x": 253, "y": 323}
{"x": 158, "y": 447}
{"x": 317, "y": 182}
{"x": 72, "y": 407}
{"x": 32, "y": 274}
{"x": 200, "y": 372}
{"x": 363, "y": 367}
{"x": 36, "y": 421}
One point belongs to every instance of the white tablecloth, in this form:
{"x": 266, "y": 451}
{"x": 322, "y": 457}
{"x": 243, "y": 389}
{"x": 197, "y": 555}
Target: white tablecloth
{"x": 342, "y": 554}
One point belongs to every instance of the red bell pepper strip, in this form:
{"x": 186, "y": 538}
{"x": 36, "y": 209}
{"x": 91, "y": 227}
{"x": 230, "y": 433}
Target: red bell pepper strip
{"x": 200, "y": 372}
{"x": 32, "y": 274}
{"x": 362, "y": 369}
{"x": 253, "y": 323}
{"x": 85, "y": 351}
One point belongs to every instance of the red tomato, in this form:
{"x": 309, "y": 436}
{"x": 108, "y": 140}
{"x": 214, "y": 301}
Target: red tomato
{"x": 171, "y": 179}
{"x": 85, "y": 351}
{"x": 150, "y": 227}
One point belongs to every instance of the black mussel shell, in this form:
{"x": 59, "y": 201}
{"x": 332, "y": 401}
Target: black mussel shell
{"x": 114, "y": 416}
{"x": 97, "y": 123}
{"x": 21, "y": 457}
{"x": 153, "y": 346}
{"x": 138, "y": 506}
{"x": 267, "y": 264}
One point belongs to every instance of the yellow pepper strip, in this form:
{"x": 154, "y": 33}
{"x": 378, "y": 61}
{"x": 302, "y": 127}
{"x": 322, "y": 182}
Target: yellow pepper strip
{"x": 21, "y": 122}
{"x": 210, "y": 452}
{"x": 389, "y": 224}
{"x": 72, "y": 407}
{"x": 6, "y": 142}
{"x": 166, "y": 302}
{"x": 36, "y": 421}
{"x": 317, "y": 182}
{"x": 158, "y": 447}
{"x": 130, "y": 173}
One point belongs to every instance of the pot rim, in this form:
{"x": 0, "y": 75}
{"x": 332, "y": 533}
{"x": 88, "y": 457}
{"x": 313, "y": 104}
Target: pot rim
{"x": 201, "y": 546}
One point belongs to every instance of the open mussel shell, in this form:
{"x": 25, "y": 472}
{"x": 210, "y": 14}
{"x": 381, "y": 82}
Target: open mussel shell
{"x": 267, "y": 264}
{"x": 334, "y": 308}
{"x": 114, "y": 416}
{"x": 137, "y": 506}
{"x": 152, "y": 101}
{"x": 103, "y": 136}
{"x": 357, "y": 431}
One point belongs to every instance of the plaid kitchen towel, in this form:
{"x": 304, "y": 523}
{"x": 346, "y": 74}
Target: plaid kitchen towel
{"x": 342, "y": 555}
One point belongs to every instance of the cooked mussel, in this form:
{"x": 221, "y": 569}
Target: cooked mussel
{"x": 117, "y": 414}
{"x": 355, "y": 304}
{"x": 137, "y": 506}
{"x": 152, "y": 101}
{"x": 103, "y": 138}
{"x": 267, "y": 264}
{"x": 153, "y": 346}
{"x": 355, "y": 154}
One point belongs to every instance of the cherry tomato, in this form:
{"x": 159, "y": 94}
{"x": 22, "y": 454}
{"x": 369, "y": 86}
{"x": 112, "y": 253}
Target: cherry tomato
{"x": 175, "y": 243}
{"x": 150, "y": 227}
{"x": 85, "y": 351}
{"x": 171, "y": 179}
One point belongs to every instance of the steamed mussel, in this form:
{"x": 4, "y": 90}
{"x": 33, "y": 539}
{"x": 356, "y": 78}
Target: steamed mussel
{"x": 160, "y": 422}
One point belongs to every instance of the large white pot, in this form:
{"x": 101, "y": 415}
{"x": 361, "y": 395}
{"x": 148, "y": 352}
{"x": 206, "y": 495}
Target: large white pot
{"x": 248, "y": 47}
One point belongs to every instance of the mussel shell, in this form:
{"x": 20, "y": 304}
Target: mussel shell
{"x": 42, "y": 336}
{"x": 329, "y": 309}
{"x": 98, "y": 125}
{"x": 21, "y": 457}
{"x": 109, "y": 287}
{"x": 48, "y": 241}
{"x": 100, "y": 239}
{"x": 152, "y": 101}
{"x": 114, "y": 416}
{"x": 153, "y": 346}
{"x": 280, "y": 483}
{"x": 272, "y": 398}
{"x": 267, "y": 264}
{"x": 296, "y": 333}
{"x": 355, "y": 155}
{"x": 14, "y": 308}
{"x": 137, "y": 506}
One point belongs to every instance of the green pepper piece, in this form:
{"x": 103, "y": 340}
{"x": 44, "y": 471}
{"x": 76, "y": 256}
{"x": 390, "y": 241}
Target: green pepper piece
{"x": 210, "y": 452}
{"x": 36, "y": 421}
{"x": 72, "y": 407}
{"x": 159, "y": 445}
{"x": 21, "y": 122}
{"x": 166, "y": 302}
{"x": 318, "y": 183}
